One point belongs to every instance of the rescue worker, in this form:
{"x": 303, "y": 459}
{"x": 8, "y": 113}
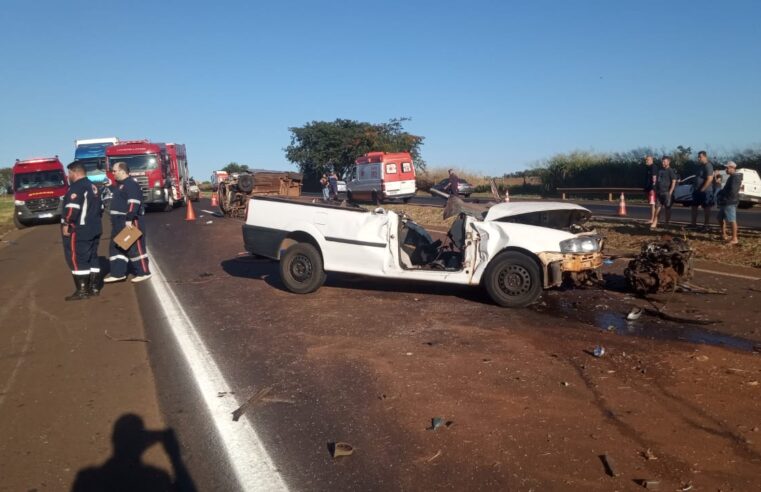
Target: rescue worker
{"x": 126, "y": 203}
{"x": 80, "y": 229}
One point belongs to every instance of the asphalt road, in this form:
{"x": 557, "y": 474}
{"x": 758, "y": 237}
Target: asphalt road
{"x": 370, "y": 362}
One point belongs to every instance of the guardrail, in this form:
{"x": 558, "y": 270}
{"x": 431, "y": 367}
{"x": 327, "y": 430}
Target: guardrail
{"x": 609, "y": 191}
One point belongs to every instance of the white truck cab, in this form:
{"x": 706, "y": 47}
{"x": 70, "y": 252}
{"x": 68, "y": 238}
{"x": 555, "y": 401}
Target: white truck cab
{"x": 513, "y": 249}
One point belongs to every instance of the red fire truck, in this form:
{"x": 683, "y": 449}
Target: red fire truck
{"x": 161, "y": 169}
{"x": 39, "y": 185}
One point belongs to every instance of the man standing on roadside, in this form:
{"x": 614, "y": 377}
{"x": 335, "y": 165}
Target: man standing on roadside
{"x": 81, "y": 229}
{"x": 651, "y": 175}
{"x": 664, "y": 188}
{"x": 453, "y": 187}
{"x": 727, "y": 199}
{"x": 703, "y": 194}
{"x": 126, "y": 203}
{"x": 333, "y": 182}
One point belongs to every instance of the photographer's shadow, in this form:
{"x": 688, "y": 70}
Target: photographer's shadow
{"x": 126, "y": 471}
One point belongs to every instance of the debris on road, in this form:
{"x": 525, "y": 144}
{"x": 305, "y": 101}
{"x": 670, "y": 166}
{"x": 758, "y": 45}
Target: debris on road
{"x": 610, "y": 466}
{"x": 209, "y": 222}
{"x": 660, "y": 266}
{"x": 438, "y": 453}
{"x": 338, "y": 449}
{"x": 145, "y": 340}
{"x": 649, "y": 455}
{"x": 437, "y": 422}
{"x": 258, "y": 396}
{"x": 598, "y": 351}
{"x": 650, "y": 484}
{"x": 634, "y": 314}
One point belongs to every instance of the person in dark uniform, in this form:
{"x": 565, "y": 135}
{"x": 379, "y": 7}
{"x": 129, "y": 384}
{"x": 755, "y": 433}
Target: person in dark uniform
{"x": 126, "y": 202}
{"x": 80, "y": 230}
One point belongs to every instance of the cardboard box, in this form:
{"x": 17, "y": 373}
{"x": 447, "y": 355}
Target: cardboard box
{"x": 127, "y": 237}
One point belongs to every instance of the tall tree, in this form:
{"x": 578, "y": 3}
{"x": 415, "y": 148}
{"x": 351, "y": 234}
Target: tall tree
{"x": 234, "y": 167}
{"x": 320, "y": 146}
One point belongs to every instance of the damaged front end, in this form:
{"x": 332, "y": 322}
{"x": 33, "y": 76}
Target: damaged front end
{"x": 579, "y": 269}
{"x": 660, "y": 267}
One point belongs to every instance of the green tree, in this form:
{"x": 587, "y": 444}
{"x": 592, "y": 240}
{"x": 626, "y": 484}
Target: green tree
{"x": 6, "y": 175}
{"x": 320, "y": 146}
{"x": 234, "y": 167}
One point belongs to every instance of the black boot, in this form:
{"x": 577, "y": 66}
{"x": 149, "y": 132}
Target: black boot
{"x": 83, "y": 287}
{"x": 95, "y": 284}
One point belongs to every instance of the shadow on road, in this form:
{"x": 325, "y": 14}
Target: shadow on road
{"x": 268, "y": 270}
{"x": 125, "y": 469}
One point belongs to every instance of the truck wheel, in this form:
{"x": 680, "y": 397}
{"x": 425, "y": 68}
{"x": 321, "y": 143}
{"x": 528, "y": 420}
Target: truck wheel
{"x": 19, "y": 223}
{"x": 513, "y": 280}
{"x": 301, "y": 269}
{"x": 376, "y": 198}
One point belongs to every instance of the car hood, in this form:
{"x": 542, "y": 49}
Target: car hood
{"x": 504, "y": 210}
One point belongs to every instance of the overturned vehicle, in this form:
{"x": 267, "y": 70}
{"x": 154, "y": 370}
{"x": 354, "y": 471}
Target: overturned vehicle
{"x": 513, "y": 249}
{"x": 235, "y": 190}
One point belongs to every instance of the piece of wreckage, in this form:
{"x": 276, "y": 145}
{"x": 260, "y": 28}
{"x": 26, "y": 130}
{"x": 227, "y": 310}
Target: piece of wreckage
{"x": 235, "y": 191}
{"x": 661, "y": 266}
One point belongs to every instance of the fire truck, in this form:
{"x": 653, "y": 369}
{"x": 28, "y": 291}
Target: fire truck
{"x": 161, "y": 169}
{"x": 39, "y": 186}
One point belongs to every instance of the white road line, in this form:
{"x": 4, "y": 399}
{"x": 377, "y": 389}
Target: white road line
{"x": 253, "y": 466}
{"x": 726, "y": 274}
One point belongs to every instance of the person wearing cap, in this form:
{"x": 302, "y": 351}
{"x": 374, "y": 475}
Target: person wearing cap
{"x": 664, "y": 188}
{"x": 728, "y": 198}
{"x": 703, "y": 196}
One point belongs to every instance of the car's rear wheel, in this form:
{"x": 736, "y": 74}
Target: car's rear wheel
{"x": 513, "y": 280}
{"x": 301, "y": 268}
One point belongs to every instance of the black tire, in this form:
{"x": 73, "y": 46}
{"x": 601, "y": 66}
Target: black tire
{"x": 19, "y": 223}
{"x": 376, "y": 199}
{"x": 513, "y": 280}
{"x": 246, "y": 183}
{"x": 301, "y": 269}
{"x": 406, "y": 200}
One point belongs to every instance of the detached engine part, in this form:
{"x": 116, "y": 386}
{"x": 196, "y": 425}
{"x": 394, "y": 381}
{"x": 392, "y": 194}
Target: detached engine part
{"x": 660, "y": 267}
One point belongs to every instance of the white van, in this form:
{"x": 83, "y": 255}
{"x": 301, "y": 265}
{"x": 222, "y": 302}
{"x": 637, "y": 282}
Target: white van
{"x": 380, "y": 176}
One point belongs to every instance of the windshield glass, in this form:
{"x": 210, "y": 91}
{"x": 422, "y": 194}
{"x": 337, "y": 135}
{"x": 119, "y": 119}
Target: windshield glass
{"x": 94, "y": 165}
{"x": 140, "y": 162}
{"x": 42, "y": 179}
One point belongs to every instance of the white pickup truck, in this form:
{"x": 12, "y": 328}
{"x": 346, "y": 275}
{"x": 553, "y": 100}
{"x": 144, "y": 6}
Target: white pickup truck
{"x": 513, "y": 249}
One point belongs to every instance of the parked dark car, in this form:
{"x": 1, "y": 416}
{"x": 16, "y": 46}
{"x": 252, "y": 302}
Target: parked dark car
{"x": 465, "y": 188}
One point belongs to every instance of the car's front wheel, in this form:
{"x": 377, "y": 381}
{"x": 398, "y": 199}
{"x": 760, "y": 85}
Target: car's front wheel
{"x": 513, "y": 280}
{"x": 301, "y": 268}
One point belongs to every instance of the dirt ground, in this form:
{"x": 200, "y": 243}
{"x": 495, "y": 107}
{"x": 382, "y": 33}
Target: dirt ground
{"x": 65, "y": 379}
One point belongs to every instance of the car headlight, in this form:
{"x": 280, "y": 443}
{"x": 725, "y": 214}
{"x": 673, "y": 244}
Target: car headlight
{"x": 580, "y": 245}
{"x": 19, "y": 202}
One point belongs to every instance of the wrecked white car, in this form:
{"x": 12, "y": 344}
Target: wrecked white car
{"x": 513, "y": 249}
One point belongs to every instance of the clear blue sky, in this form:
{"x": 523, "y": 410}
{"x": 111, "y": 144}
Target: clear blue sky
{"x": 493, "y": 85}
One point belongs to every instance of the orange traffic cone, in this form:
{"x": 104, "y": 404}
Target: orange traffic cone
{"x": 507, "y": 195}
{"x": 190, "y": 214}
{"x": 214, "y": 199}
{"x": 622, "y": 206}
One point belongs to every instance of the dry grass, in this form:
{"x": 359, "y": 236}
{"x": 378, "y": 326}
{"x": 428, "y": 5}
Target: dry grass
{"x": 707, "y": 245}
{"x": 6, "y": 214}
{"x": 436, "y": 174}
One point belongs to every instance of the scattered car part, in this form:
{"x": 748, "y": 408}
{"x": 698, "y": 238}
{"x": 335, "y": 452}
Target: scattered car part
{"x": 660, "y": 266}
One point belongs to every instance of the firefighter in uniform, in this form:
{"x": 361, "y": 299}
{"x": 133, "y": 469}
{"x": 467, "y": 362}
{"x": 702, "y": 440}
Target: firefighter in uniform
{"x": 81, "y": 229}
{"x": 126, "y": 201}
